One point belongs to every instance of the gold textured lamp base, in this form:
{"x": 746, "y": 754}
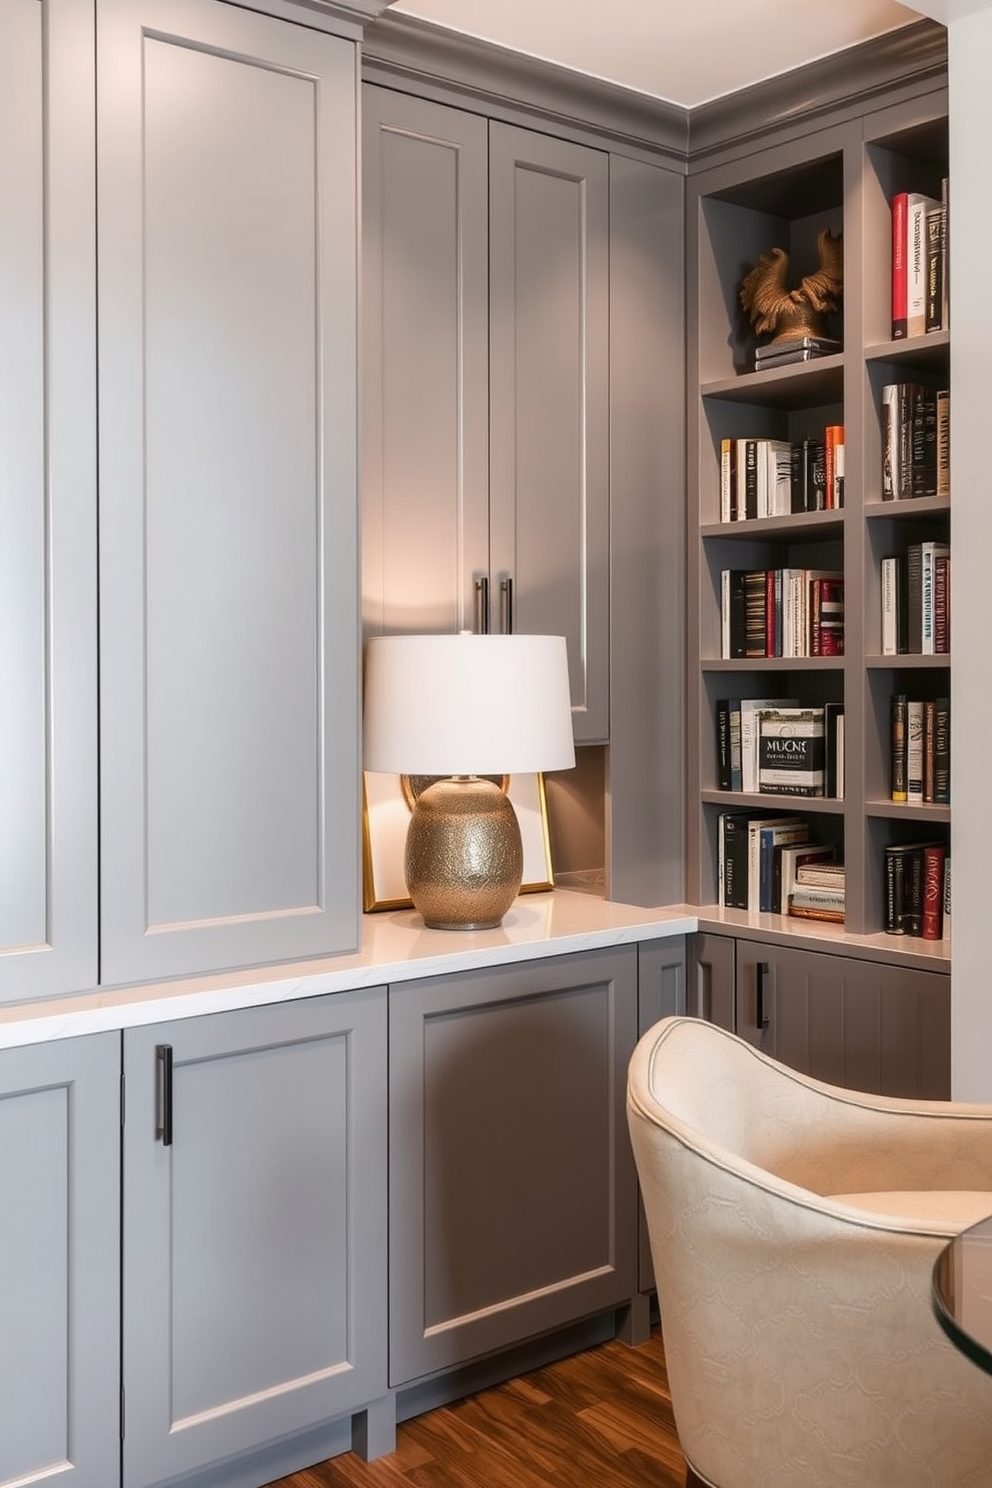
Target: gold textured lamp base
{"x": 464, "y": 856}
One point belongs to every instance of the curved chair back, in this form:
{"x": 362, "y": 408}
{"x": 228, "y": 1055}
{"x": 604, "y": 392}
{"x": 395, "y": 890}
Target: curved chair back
{"x": 793, "y": 1232}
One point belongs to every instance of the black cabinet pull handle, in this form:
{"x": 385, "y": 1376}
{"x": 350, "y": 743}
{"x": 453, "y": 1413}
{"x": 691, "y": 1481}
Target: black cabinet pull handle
{"x": 704, "y": 990}
{"x": 482, "y": 605}
{"x": 760, "y": 1013}
{"x": 506, "y": 605}
{"x": 163, "y": 1093}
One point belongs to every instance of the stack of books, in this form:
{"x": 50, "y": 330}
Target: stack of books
{"x": 819, "y": 892}
{"x": 798, "y": 349}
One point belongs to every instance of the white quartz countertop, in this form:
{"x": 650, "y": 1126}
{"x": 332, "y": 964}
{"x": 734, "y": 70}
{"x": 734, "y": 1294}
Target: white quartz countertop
{"x": 396, "y": 947}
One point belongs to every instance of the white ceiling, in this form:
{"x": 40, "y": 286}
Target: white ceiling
{"x": 684, "y": 51}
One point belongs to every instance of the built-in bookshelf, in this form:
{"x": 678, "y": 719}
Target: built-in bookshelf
{"x": 842, "y": 178}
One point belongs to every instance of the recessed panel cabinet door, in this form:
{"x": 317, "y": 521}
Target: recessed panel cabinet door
{"x": 60, "y": 1263}
{"x": 513, "y": 1201}
{"x": 48, "y": 770}
{"x": 254, "y": 1228}
{"x": 228, "y": 488}
{"x": 425, "y": 418}
{"x": 549, "y": 380}
{"x": 866, "y": 1025}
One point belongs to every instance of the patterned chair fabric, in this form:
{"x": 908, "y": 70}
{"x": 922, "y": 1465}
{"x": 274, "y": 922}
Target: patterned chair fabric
{"x": 793, "y": 1228}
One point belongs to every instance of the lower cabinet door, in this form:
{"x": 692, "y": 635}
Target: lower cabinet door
{"x": 60, "y": 1263}
{"x": 254, "y": 1228}
{"x": 513, "y": 1204}
{"x": 865, "y": 1025}
{"x": 711, "y": 977}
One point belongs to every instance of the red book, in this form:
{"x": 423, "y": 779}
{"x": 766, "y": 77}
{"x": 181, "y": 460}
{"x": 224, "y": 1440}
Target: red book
{"x": 933, "y": 893}
{"x": 900, "y": 302}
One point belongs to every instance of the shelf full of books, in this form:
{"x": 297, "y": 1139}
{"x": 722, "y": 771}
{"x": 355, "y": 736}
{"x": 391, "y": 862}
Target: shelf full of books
{"x": 774, "y": 863}
{"x": 820, "y": 482}
{"x": 917, "y": 889}
{"x": 781, "y": 612}
{"x": 920, "y": 235}
{"x": 916, "y": 600}
{"x": 920, "y": 751}
{"x": 778, "y": 747}
{"x": 767, "y": 477}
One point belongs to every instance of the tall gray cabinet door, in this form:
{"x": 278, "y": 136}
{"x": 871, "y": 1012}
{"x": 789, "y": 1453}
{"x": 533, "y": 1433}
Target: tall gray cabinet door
{"x": 48, "y": 770}
{"x": 60, "y": 1263}
{"x": 513, "y": 1206}
{"x": 549, "y": 436}
{"x": 425, "y": 415}
{"x": 254, "y": 1240}
{"x": 866, "y": 1025}
{"x": 228, "y": 488}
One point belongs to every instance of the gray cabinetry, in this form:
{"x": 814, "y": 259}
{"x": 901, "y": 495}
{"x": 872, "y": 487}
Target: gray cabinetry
{"x": 711, "y": 980}
{"x": 486, "y": 469}
{"x": 868, "y": 1025}
{"x": 865, "y": 1024}
{"x": 254, "y": 1239}
{"x": 48, "y": 870}
{"x": 549, "y": 359}
{"x": 512, "y": 1188}
{"x": 228, "y": 489}
{"x": 60, "y": 1263}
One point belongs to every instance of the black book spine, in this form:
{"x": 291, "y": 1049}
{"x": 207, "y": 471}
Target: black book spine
{"x": 751, "y": 479}
{"x": 899, "y": 725}
{"x": 894, "y": 893}
{"x": 735, "y": 861}
{"x": 914, "y": 599}
{"x": 942, "y": 751}
{"x": 723, "y": 743}
{"x": 738, "y": 616}
{"x": 924, "y": 443}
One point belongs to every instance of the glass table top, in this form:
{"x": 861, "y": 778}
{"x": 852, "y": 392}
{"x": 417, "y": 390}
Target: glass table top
{"x": 962, "y": 1292}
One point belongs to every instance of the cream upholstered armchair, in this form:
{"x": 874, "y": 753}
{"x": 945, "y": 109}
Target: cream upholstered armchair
{"x": 793, "y": 1232}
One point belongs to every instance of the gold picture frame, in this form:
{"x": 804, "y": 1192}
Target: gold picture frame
{"x": 386, "y": 814}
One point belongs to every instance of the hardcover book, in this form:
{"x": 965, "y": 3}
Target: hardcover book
{"x": 791, "y": 752}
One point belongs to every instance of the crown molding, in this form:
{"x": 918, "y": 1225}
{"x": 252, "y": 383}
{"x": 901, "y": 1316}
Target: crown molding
{"x": 339, "y": 17}
{"x": 914, "y": 55}
{"x": 418, "y": 56}
{"x": 403, "y": 51}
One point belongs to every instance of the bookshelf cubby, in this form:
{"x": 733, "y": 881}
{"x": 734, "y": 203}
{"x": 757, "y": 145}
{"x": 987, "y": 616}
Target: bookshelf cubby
{"x": 842, "y": 177}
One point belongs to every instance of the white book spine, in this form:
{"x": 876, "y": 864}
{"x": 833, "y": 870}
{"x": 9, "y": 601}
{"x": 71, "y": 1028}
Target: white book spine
{"x": 890, "y": 639}
{"x": 914, "y": 751}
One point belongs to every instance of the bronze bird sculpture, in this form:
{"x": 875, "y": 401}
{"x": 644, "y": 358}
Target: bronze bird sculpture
{"x": 789, "y": 313}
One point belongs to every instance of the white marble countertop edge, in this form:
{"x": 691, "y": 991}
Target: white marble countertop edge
{"x": 396, "y": 947}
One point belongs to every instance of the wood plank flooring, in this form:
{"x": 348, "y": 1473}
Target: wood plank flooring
{"x": 603, "y": 1417}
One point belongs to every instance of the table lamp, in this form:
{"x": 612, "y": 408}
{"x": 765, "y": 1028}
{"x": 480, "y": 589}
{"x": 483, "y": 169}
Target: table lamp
{"x": 463, "y": 707}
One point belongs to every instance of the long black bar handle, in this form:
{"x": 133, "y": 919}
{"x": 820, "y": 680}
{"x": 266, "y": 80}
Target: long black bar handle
{"x": 761, "y": 970}
{"x": 482, "y": 605}
{"x": 163, "y": 1093}
{"x": 704, "y": 990}
{"x": 506, "y": 605}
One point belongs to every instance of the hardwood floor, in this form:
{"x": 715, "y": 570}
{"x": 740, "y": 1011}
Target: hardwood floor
{"x": 603, "y": 1418}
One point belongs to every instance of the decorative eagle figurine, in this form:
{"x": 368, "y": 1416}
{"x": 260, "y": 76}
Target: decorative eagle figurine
{"x": 790, "y": 313}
